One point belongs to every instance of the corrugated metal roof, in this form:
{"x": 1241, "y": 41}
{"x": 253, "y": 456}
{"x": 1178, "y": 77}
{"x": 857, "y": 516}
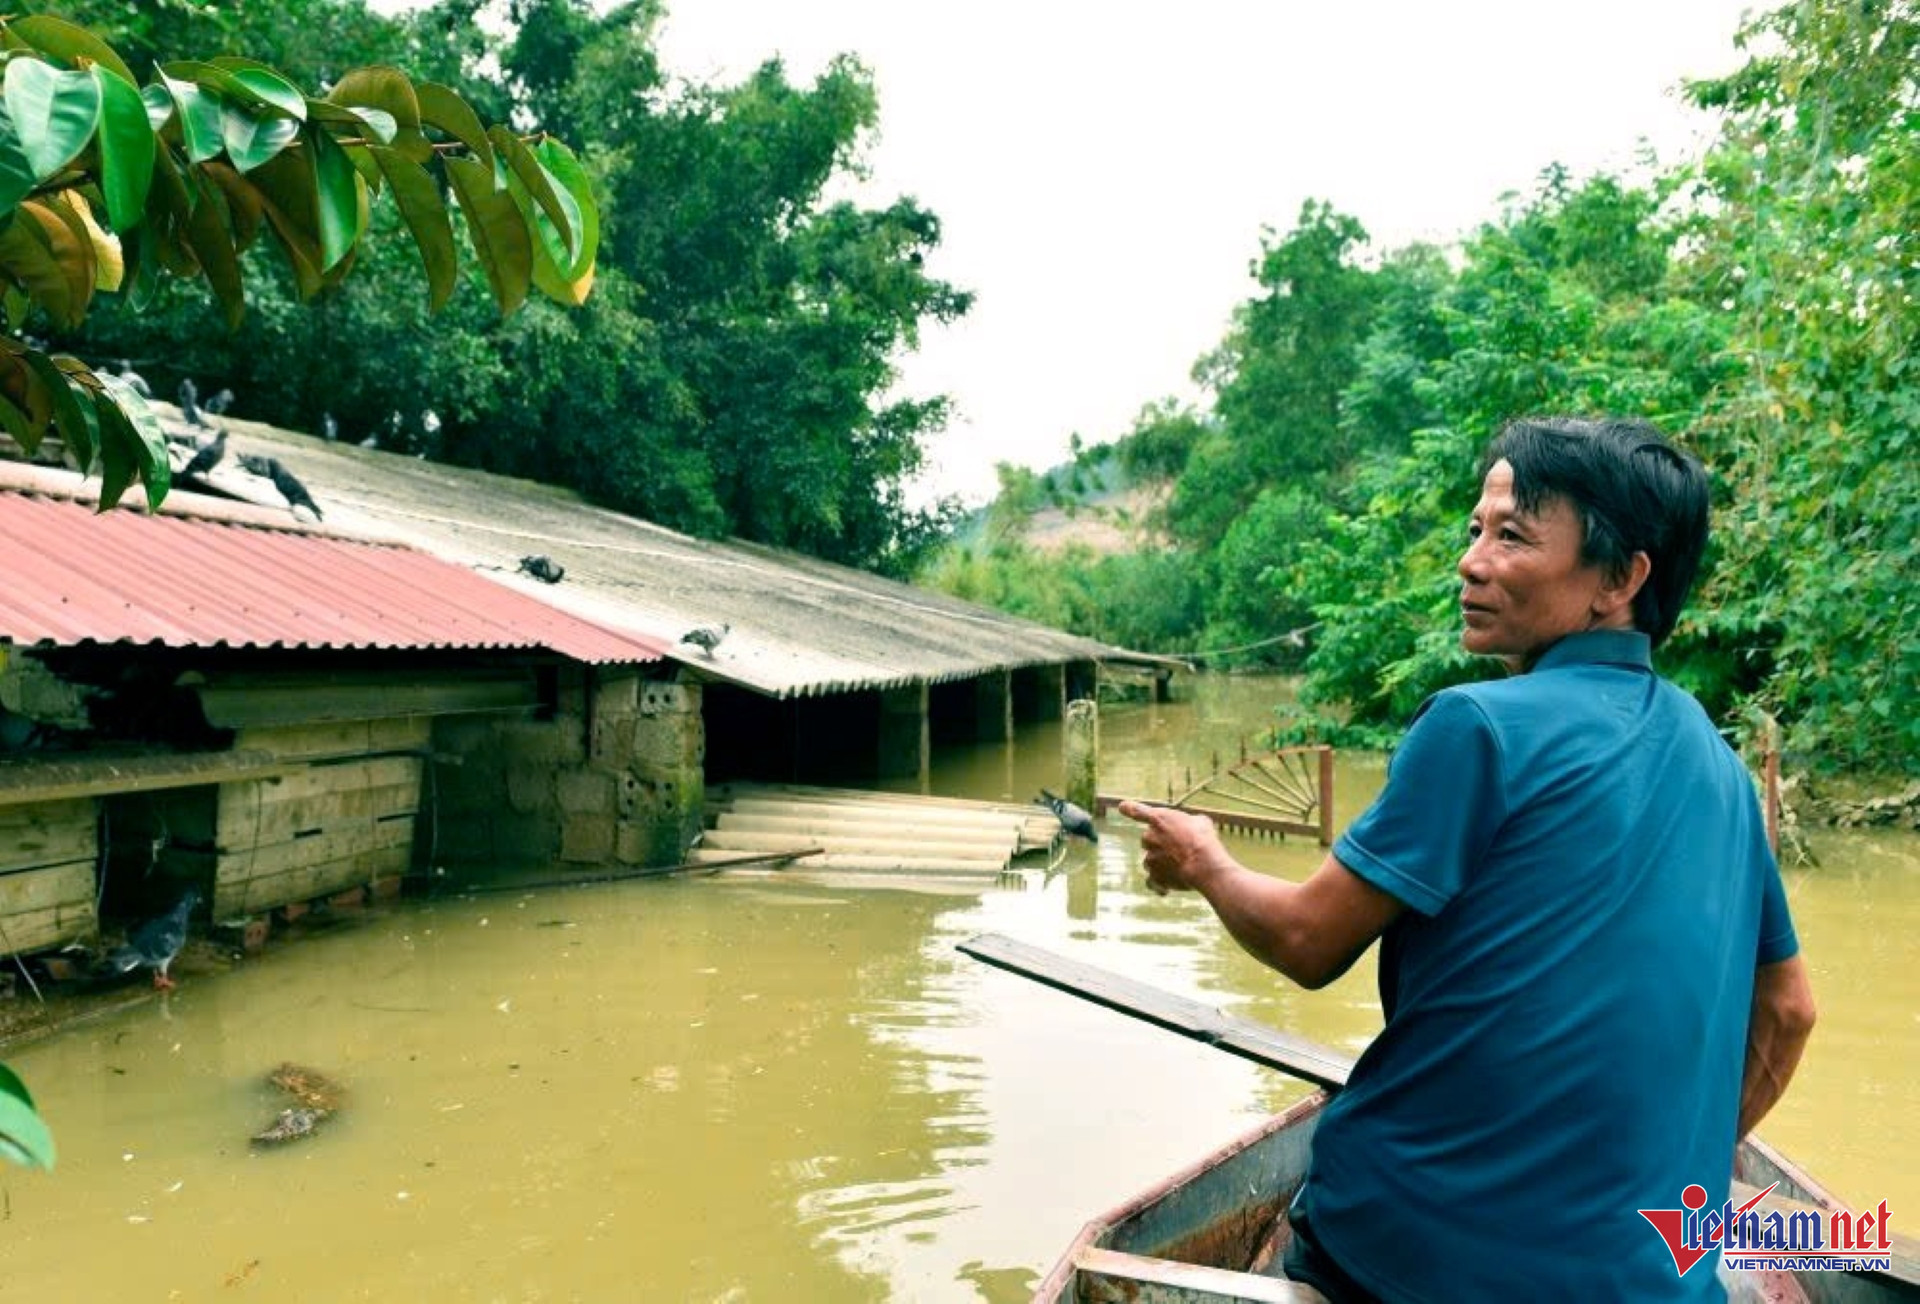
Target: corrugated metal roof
{"x": 78, "y": 576}
{"x": 800, "y": 626}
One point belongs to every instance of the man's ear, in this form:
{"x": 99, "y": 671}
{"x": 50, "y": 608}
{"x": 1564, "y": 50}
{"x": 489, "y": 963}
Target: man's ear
{"x": 1619, "y": 590}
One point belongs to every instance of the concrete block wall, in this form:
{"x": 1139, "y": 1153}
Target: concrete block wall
{"x": 619, "y": 783}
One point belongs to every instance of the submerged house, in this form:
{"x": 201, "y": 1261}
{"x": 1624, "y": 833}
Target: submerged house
{"x": 422, "y": 665}
{"x": 218, "y": 696}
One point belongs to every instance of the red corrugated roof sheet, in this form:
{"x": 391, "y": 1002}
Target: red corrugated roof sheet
{"x": 72, "y": 576}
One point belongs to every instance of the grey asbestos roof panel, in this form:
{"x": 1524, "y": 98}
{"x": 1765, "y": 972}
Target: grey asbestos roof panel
{"x": 800, "y": 626}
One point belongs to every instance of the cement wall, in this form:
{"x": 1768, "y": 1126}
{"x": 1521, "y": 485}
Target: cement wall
{"x": 612, "y": 776}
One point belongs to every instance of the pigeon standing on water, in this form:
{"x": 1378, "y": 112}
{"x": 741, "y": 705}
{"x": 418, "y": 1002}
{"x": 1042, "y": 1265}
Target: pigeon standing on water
{"x": 154, "y": 944}
{"x": 1073, "y": 820}
{"x": 706, "y": 637}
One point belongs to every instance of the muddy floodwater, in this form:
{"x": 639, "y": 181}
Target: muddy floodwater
{"x": 720, "y": 1090}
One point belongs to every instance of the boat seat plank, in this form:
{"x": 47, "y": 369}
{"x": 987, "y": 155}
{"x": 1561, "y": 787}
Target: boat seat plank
{"x": 1111, "y": 1275}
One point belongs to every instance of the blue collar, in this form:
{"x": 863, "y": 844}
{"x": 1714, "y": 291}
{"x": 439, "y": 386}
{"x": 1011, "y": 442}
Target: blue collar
{"x": 1623, "y": 647}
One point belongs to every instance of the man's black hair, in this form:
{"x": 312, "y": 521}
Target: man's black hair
{"x": 1634, "y": 491}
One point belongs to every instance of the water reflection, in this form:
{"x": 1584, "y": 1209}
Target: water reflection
{"x": 733, "y": 1091}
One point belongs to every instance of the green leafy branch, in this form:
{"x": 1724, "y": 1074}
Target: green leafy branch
{"x": 24, "y": 1138}
{"x": 109, "y": 186}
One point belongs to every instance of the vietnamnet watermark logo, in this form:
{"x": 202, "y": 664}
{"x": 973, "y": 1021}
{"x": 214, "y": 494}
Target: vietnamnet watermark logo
{"x": 1801, "y": 1239}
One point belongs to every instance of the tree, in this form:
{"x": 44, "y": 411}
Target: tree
{"x": 110, "y": 186}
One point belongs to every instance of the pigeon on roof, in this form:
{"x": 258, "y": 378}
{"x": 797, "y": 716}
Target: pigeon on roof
{"x": 329, "y": 428}
{"x": 285, "y": 481}
{"x": 207, "y": 456}
{"x": 134, "y": 380}
{"x": 706, "y": 637}
{"x": 1074, "y": 820}
{"x": 154, "y": 943}
{"x": 190, "y": 402}
{"x": 544, "y": 569}
{"x": 219, "y": 403}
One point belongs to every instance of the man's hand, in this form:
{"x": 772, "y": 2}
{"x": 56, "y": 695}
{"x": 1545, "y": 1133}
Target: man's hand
{"x": 1178, "y": 850}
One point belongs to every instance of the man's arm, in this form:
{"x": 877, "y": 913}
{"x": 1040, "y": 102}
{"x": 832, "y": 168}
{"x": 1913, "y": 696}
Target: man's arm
{"x": 1777, "y": 1032}
{"x": 1312, "y": 932}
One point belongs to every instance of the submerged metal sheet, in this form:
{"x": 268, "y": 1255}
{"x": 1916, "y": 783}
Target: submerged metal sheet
{"x": 799, "y": 626}
{"x": 78, "y": 576}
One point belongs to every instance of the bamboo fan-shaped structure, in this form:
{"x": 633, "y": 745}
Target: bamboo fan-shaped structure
{"x": 1287, "y": 790}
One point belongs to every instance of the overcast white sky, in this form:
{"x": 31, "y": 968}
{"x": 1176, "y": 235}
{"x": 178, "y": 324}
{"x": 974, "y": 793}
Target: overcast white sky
{"x": 1103, "y": 170}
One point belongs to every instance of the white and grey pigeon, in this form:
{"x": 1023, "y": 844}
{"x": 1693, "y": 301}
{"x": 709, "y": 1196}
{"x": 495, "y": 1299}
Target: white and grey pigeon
{"x": 706, "y": 637}
{"x": 154, "y": 943}
{"x": 1073, "y": 819}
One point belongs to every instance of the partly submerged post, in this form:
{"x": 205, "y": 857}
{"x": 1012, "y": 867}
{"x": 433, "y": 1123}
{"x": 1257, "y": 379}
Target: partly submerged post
{"x": 1080, "y": 743}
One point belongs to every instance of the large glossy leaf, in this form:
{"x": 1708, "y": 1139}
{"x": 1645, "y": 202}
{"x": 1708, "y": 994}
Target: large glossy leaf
{"x": 386, "y": 90}
{"x": 133, "y": 444}
{"x": 27, "y": 255}
{"x": 126, "y": 150}
{"x": 72, "y": 249}
{"x": 109, "y": 264}
{"x": 553, "y": 267}
{"x": 244, "y": 80}
{"x": 338, "y": 201}
{"x": 54, "y": 112}
{"x": 159, "y": 104}
{"x": 211, "y": 234}
{"x": 199, "y": 118}
{"x": 252, "y": 137}
{"x": 264, "y": 85}
{"x": 418, "y": 199}
{"x": 246, "y": 209}
{"x": 286, "y": 192}
{"x": 24, "y": 1136}
{"x": 72, "y": 413}
{"x": 16, "y": 172}
{"x": 525, "y": 171}
{"x": 497, "y": 230}
{"x": 440, "y": 107}
{"x": 65, "y": 40}
{"x": 571, "y": 179}
{"x": 370, "y": 124}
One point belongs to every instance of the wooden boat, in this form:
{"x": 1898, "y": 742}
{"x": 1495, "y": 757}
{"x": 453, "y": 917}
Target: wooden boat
{"x": 1215, "y": 1233}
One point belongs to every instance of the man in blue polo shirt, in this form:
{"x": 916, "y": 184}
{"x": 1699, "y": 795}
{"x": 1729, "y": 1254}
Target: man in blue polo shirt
{"x": 1591, "y": 984}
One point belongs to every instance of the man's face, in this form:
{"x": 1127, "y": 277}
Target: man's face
{"x": 1524, "y": 587}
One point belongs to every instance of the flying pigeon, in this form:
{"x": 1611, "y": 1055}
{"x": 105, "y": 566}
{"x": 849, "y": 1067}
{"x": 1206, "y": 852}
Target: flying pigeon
{"x": 208, "y": 456}
{"x": 706, "y": 637}
{"x": 544, "y": 569}
{"x": 154, "y": 943}
{"x": 284, "y": 480}
{"x": 1073, "y": 820}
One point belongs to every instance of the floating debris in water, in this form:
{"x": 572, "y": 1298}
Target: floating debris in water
{"x": 316, "y": 1097}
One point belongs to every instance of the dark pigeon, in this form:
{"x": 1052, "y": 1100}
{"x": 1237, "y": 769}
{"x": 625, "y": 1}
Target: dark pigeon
{"x": 154, "y": 943}
{"x": 207, "y": 457}
{"x": 1073, "y": 820}
{"x": 544, "y": 569}
{"x": 284, "y": 480}
{"x": 219, "y": 403}
{"x": 190, "y": 403}
{"x": 706, "y": 637}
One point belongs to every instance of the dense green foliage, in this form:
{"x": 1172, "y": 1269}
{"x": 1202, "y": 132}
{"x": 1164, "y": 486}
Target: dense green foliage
{"x": 732, "y": 371}
{"x": 118, "y": 182}
{"x": 1758, "y": 303}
